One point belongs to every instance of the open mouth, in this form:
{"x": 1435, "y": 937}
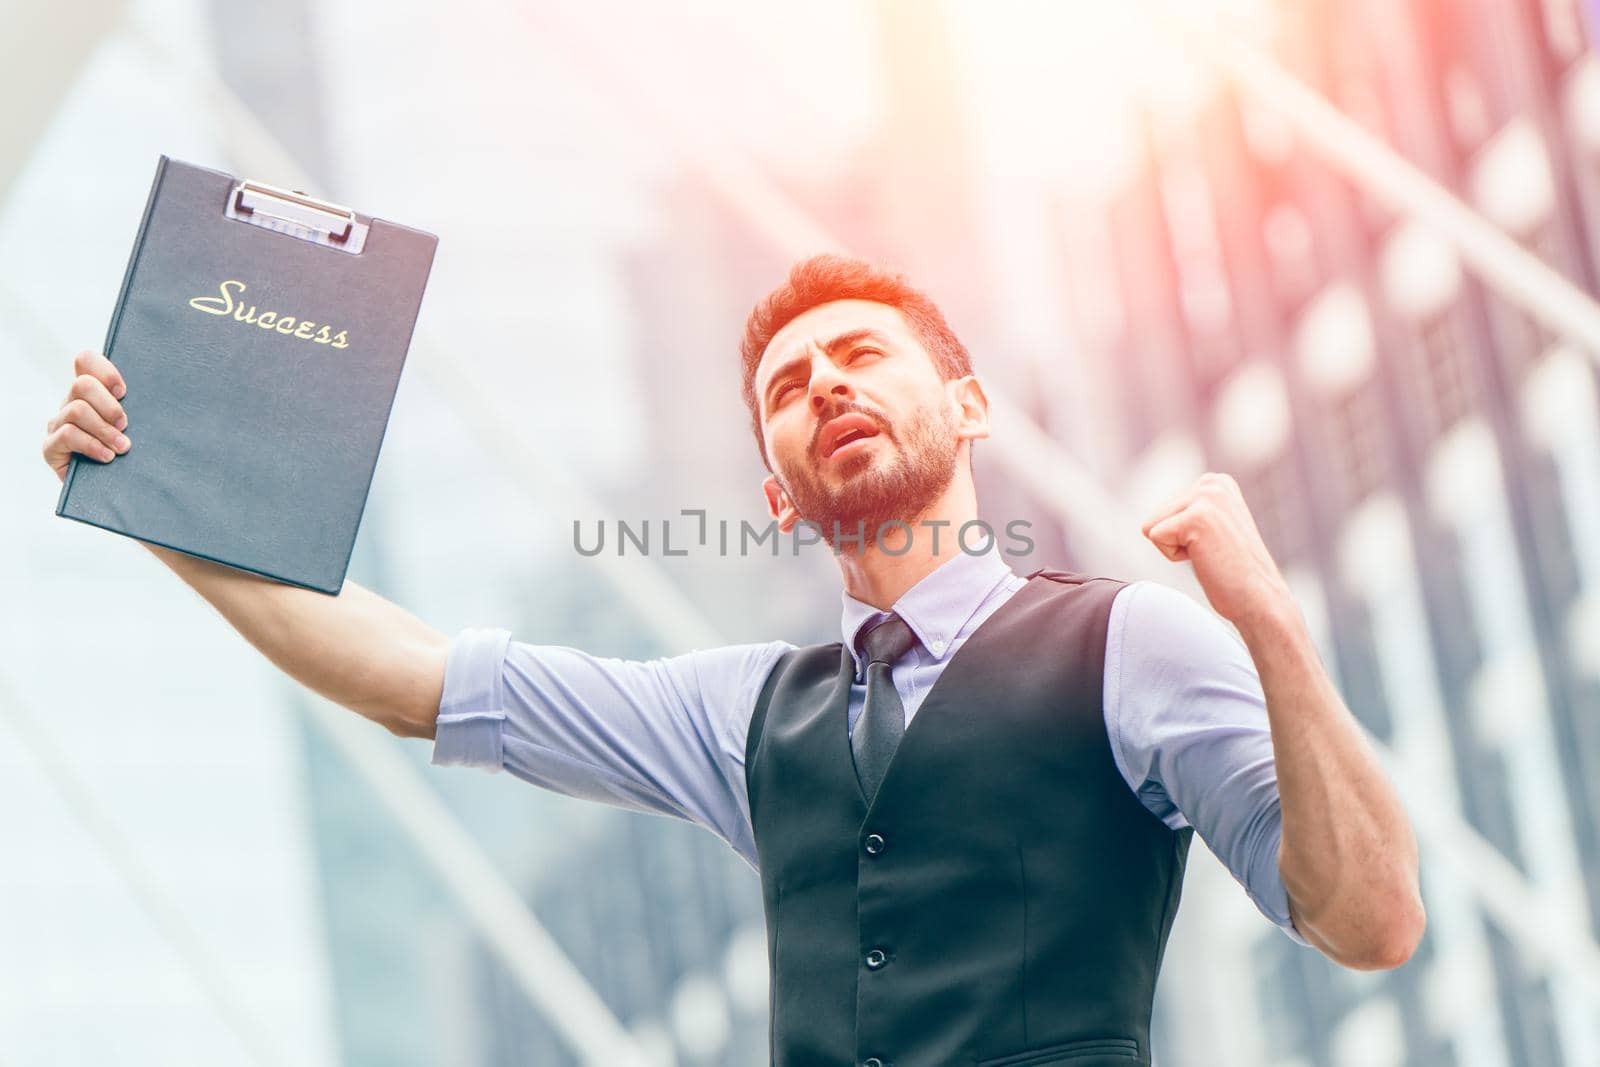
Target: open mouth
{"x": 843, "y": 432}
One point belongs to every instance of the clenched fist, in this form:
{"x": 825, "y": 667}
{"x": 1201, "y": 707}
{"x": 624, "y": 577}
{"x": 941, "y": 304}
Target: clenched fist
{"x": 1210, "y": 525}
{"x": 90, "y": 421}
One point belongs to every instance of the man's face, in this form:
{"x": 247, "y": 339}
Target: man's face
{"x": 859, "y": 426}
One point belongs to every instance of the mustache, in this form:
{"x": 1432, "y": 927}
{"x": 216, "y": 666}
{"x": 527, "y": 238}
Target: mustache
{"x": 847, "y": 407}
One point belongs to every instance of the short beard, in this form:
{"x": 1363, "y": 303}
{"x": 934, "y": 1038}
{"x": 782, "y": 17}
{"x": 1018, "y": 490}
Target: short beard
{"x": 921, "y": 470}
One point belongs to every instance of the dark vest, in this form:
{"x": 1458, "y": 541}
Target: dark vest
{"x": 1005, "y": 901}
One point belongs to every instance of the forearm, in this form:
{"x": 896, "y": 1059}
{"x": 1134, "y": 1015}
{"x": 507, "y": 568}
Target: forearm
{"x": 1348, "y": 857}
{"x": 356, "y": 649}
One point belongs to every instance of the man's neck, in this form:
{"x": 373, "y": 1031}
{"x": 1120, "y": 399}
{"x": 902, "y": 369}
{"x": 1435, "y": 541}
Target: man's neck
{"x": 879, "y": 577}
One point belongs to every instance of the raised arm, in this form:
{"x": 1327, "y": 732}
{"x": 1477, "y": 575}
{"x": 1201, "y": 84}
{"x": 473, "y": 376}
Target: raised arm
{"x": 1347, "y": 854}
{"x": 357, "y": 649}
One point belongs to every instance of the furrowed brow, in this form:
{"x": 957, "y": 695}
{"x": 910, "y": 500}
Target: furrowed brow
{"x": 832, "y": 347}
{"x": 849, "y": 337}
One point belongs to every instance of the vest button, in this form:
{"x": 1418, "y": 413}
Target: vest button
{"x": 876, "y": 958}
{"x": 874, "y": 844}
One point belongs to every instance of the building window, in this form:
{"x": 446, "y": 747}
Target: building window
{"x": 1273, "y": 494}
{"x": 1445, "y": 385}
{"x": 1360, "y": 445}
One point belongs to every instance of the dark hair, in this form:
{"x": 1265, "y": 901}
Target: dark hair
{"x": 826, "y": 278}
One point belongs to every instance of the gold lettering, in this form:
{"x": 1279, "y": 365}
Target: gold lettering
{"x": 224, "y": 303}
{"x": 208, "y": 304}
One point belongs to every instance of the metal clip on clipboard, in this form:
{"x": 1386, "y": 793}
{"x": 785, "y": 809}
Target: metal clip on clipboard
{"x": 294, "y": 213}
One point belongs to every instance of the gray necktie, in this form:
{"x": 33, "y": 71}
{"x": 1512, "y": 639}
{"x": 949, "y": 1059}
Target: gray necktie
{"x": 883, "y": 717}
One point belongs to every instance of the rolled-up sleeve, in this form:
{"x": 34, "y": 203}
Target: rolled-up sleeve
{"x": 1189, "y": 731}
{"x": 664, "y": 736}
{"x": 472, "y": 709}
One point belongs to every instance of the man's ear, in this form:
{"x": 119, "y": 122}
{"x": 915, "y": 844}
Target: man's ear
{"x": 779, "y": 506}
{"x": 972, "y": 408}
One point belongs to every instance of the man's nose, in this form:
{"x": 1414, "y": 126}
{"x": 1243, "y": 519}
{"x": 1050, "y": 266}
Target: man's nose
{"x": 828, "y": 385}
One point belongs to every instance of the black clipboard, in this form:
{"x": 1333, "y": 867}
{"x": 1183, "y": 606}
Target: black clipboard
{"x": 261, "y": 333}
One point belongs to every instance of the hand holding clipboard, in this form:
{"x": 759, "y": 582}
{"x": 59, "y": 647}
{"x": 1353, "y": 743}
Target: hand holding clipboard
{"x": 258, "y": 342}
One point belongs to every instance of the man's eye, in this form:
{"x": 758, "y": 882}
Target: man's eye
{"x": 783, "y": 391}
{"x": 862, "y": 352}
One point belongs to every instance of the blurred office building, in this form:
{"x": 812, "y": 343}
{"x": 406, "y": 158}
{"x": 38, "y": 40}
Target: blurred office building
{"x": 1423, "y": 457}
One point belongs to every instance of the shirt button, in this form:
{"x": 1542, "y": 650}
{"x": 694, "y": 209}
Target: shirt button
{"x": 874, "y": 844}
{"x": 872, "y": 1061}
{"x": 938, "y": 646}
{"x": 876, "y": 959}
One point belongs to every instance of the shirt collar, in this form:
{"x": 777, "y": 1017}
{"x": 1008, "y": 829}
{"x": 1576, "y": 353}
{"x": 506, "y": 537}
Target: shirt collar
{"x": 937, "y": 607}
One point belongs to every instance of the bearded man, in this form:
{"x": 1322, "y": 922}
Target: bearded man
{"x": 971, "y": 814}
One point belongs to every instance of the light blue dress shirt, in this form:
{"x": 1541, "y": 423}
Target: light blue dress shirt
{"x": 1184, "y": 711}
